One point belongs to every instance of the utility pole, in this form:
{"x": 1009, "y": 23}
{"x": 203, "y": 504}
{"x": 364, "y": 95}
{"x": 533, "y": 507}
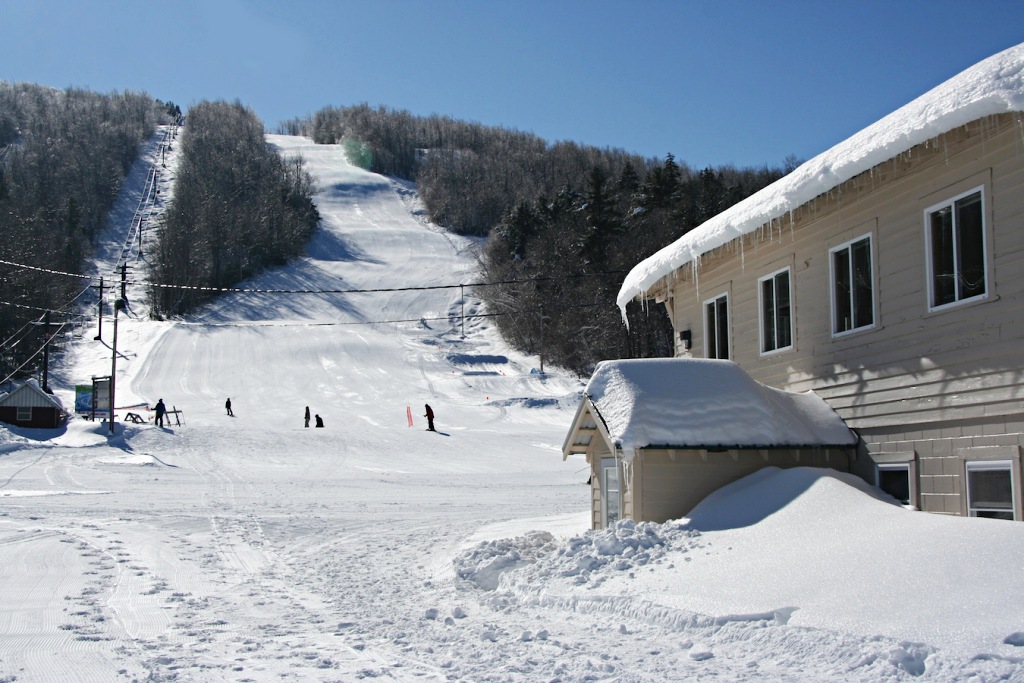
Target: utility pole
{"x": 542, "y": 340}
{"x": 46, "y": 353}
{"x": 118, "y": 304}
{"x": 99, "y": 315}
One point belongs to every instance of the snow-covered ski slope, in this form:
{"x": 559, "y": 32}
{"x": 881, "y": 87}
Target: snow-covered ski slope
{"x": 250, "y": 548}
{"x": 342, "y": 354}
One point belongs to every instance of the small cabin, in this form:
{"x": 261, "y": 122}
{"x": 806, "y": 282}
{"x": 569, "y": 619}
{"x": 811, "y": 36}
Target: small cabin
{"x": 29, "y": 406}
{"x": 661, "y": 434}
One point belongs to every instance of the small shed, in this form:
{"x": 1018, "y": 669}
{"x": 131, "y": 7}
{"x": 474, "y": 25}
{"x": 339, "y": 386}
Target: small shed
{"x": 661, "y": 434}
{"x": 29, "y": 406}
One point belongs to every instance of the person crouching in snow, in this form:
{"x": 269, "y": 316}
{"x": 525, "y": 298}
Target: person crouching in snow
{"x": 430, "y": 418}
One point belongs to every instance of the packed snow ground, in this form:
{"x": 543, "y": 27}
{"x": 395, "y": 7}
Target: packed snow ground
{"x": 250, "y": 548}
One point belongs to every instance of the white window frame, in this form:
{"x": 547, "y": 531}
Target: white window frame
{"x": 24, "y": 414}
{"x": 848, "y": 246}
{"x": 607, "y": 465}
{"x": 929, "y": 264}
{"x": 990, "y": 466}
{"x": 896, "y": 467}
{"x": 708, "y": 351}
{"x": 761, "y": 312}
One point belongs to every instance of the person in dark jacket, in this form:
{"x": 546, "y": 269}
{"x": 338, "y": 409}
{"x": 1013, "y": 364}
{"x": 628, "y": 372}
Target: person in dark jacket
{"x": 160, "y": 410}
{"x": 430, "y": 418}
{"x": 227, "y": 406}
{"x": 307, "y": 416}
{"x": 319, "y": 421}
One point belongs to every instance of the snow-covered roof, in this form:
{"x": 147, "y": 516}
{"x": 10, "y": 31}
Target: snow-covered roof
{"x": 29, "y": 393}
{"x": 705, "y": 403}
{"x": 993, "y": 86}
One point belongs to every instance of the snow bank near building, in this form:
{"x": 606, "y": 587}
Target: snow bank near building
{"x": 804, "y": 546}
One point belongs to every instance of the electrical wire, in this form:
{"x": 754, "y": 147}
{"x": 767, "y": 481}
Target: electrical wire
{"x": 247, "y": 290}
{"x": 35, "y": 355}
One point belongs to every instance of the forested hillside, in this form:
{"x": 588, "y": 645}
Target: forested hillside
{"x": 63, "y": 156}
{"x": 565, "y": 222}
{"x": 238, "y": 208}
{"x": 563, "y": 258}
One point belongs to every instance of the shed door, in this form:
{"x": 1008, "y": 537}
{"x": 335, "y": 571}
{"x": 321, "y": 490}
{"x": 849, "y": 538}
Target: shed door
{"x": 611, "y": 498}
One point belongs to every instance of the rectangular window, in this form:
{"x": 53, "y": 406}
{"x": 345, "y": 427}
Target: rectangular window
{"x": 776, "y": 312}
{"x": 24, "y": 414}
{"x": 895, "y": 480}
{"x": 716, "y": 327}
{"x": 853, "y": 291}
{"x": 955, "y": 234}
{"x": 990, "y": 489}
{"x": 610, "y": 492}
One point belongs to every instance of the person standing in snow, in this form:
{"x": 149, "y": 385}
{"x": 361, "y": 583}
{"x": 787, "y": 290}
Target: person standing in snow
{"x": 160, "y": 410}
{"x": 227, "y": 406}
{"x": 430, "y": 418}
{"x": 319, "y": 421}
{"x": 307, "y": 416}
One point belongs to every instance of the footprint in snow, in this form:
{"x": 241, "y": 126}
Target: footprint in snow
{"x": 1015, "y": 639}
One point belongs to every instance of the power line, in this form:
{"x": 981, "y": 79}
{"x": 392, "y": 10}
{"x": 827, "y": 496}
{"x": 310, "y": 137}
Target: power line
{"x": 34, "y": 355}
{"x": 45, "y": 270}
{"x": 25, "y": 306}
{"x": 246, "y": 290}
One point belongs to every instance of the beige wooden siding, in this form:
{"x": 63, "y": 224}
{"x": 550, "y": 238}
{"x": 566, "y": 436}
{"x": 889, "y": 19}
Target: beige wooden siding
{"x": 915, "y": 366}
{"x": 671, "y": 483}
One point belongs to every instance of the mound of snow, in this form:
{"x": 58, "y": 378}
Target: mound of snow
{"x": 808, "y": 546}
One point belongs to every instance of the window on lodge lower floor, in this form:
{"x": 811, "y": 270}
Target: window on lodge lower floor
{"x": 895, "y": 480}
{"x": 990, "y": 489}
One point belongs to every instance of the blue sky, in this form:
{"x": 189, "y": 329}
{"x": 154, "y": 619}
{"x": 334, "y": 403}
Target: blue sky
{"x": 726, "y": 82}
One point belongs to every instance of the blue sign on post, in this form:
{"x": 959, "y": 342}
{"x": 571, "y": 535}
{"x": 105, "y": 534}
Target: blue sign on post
{"x": 83, "y": 398}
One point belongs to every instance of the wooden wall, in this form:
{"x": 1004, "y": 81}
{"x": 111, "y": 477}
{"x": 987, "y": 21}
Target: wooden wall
{"x": 916, "y": 371}
{"x": 914, "y": 365}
